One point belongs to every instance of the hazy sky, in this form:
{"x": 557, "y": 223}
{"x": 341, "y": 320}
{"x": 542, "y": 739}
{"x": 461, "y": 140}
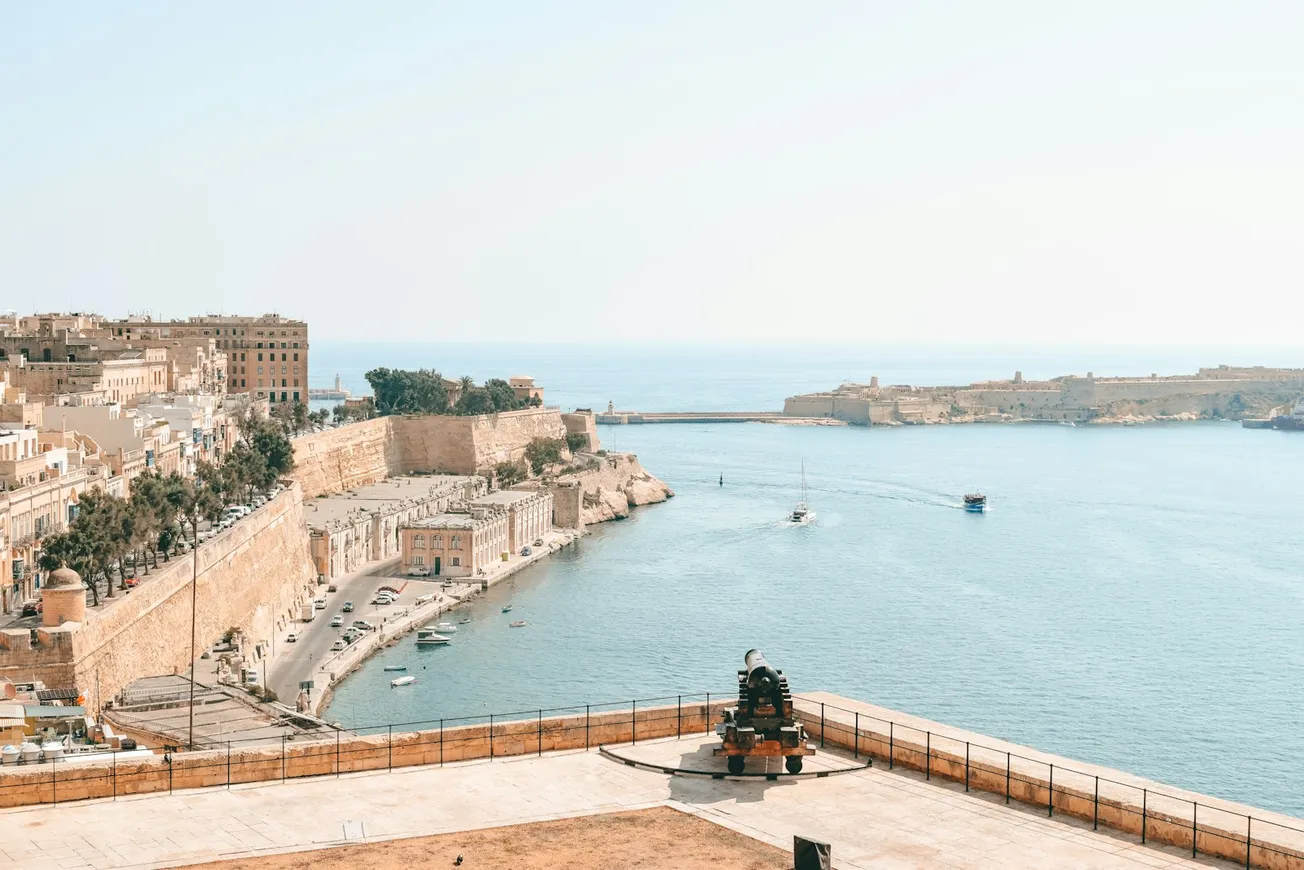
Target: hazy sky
{"x": 969, "y": 171}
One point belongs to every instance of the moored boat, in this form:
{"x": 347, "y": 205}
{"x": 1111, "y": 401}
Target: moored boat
{"x": 430, "y": 637}
{"x": 507, "y": 609}
{"x": 975, "y": 502}
{"x": 396, "y": 667}
{"x": 520, "y": 623}
{"x": 402, "y": 681}
{"x": 446, "y": 627}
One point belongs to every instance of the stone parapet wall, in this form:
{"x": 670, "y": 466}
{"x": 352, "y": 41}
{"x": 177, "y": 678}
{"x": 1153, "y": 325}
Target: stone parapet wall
{"x": 346, "y": 457}
{"x": 250, "y": 577}
{"x": 381, "y": 749}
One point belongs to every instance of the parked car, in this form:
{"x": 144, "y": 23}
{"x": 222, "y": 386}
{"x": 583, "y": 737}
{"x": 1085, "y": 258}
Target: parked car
{"x": 319, "y": 603}
{"x": 131, "y": 582}
{"x": 363, "y": 625}
{"x": 337, "y": 620}
{"x": 348, "y": 607}
{"x": 332, "y": 588}
{"x": 525, "y": 551}
{"x": 419, "y": 571}
{"x": 388, "y": 589}
{"x": 31, "y": 608}
{"x": 340, "y": 643}
{"x": 538, "y": 542}
{"x": 292, "y": 638}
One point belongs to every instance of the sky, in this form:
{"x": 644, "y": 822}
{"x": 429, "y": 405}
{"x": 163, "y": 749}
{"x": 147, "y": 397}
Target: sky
{"x": 943, "y": 172}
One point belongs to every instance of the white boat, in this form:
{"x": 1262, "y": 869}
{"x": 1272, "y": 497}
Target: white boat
{"x": 802, "y": 514}
{"x": 464, "y": 620}
{"x": 430, "y": 637}
{"x": 520, "y": 623}
{"x": 402, "y": 681}
{"x": 396, "y": 667}
{"x": 446, "y": 627}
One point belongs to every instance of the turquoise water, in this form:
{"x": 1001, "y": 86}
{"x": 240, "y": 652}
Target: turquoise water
{"x": 1133, "y": 597}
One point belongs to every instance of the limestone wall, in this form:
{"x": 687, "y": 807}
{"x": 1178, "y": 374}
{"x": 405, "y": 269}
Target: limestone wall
{"x": 371, "y": 450}
{"x": 250, "y": 576}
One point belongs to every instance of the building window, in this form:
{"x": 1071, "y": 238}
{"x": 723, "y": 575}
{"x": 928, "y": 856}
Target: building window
{"x": 455, "y": 562}
{"x": 260, "y": 370}
{"x": 457, "y": 542}
{"x": 436, "y": 542}
{"x": 418, "y": 560}
{"x": 283, "y": 384}
{"x": 296, "y": 395}
{"x": 296, "y": 356}
{"x": 296, "y": 344}
{"x": 418, "y": 542}
{"x": 260, "y": 357}
{"x": 242, "y": 382}
{"x": 283, "y": 399}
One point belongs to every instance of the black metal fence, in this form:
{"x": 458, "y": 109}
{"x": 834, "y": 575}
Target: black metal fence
{"x": 1154, "y": 815}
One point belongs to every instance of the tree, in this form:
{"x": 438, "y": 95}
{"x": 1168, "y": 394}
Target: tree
{"x": 408, "y": 392}
{"x": 534, "y": 402}
{"x": 542, "y": 452}
{"x": 319, "y": 418}
{"x": 576, "y": 441}
{"x": 502, "y": 395}
{"x": 509, "y": 473}
{"x": 475, "y": 401}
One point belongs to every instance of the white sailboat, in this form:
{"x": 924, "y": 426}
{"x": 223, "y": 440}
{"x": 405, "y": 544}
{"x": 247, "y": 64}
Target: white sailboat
{"x": 802, "y": 514}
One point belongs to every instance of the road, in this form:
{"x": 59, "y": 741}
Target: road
{"x": 297, "y": 661}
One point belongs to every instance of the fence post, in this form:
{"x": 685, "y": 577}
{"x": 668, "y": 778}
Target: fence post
{"x": 586, "y": 727}
{"x": 441, "y": 742}
{"x": 821, "y": 724}
{"x": 389, "y": 743}
{"x": 1144, "y": 794}
{"x": 282, "y": 758}
{"x": 1007, "y": 777}
{"x": 1050, "y": 793}
{"x": 54, "y": 782}
{"x": 1095, "y": 808}
{"x": 891, "y": 744}
{"x": 1249, "y": 820}
{"x": 540, "y": 733}
{"x": 857, "y": 752}
{"x": 928, "y": 755}
{"x": 115, "y": 776}
{"x": 491, "y": 736}
{"x": 633, "y": 722}
{"x": 679, "y": 716}
{"x": 1195, "y": 831}
{"x": 966, "y": 765}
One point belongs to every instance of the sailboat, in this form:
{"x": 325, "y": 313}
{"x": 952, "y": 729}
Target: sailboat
{"x": 802, "y": 514}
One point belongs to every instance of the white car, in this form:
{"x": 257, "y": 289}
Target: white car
{"x": 292, "y": 638}
{"x": 338, "y": 645}
{"x": 419, "y": 571}
{"x": 319, "y": 604}
{"x": 337, "y": 620}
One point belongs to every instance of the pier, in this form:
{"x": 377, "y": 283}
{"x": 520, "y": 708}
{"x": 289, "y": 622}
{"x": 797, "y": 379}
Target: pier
{"x": 631, "y": 417}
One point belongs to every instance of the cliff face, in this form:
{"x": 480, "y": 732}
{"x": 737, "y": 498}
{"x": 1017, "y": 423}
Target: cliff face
{"x": 617, "y": 485}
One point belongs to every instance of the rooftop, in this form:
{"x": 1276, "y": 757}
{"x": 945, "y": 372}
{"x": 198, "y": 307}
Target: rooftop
{"x": 504, "y": 497}
{"x": 388, "y": 495}
{"x": 448, "y": 521}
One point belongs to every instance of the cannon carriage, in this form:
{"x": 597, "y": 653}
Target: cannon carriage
{"x": 764, "y": 722}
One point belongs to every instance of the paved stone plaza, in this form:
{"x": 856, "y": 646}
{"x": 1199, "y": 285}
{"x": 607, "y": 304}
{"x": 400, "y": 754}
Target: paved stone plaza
{"x": 874, "y": 818}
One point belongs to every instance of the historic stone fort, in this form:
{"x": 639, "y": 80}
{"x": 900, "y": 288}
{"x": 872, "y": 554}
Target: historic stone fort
{"x": 1226, "y": 391}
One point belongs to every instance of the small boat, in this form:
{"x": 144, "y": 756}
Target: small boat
{"x": 396, "y": 667}
{"x": 975, "y": 503}
{"x": 402, "y": 681}
{"x": 430, "y": 637}
{"x": 802, "y": 514}
{"x": 446, "y": 627}
{"x": 507, "y": 609}
{"x": 464, "y": 620}
{"x": 520, "y": 623}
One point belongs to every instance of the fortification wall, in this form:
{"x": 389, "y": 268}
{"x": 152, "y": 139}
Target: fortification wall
{"x": 250, "y": 577}
{"x": 846, "y": 408}
{"x": 346, "y": 457}
{"x": 369, "y": 451}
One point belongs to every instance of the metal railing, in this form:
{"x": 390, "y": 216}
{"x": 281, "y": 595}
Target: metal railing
{"x": 1153, "y": 814}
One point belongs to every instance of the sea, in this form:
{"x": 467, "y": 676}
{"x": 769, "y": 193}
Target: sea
{"x": 1133, "y": 597}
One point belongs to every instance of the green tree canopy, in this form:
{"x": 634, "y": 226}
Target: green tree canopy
{"x": 408, "y": 392}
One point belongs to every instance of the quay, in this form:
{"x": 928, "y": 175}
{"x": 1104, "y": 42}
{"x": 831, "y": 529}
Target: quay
{"x": 635, "y": 417}
{"x": 931, "y": 796}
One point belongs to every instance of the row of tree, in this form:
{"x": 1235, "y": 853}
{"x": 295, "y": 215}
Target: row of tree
{"x": 162, "y": 511}
{"x": 422, "y": 391}
{"x": 294, "y": 418}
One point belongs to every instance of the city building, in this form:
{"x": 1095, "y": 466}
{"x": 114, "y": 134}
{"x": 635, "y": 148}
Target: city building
{"x": 266, "y": 356}
{"x": 529, "y": 514}
{"x": 348, "y": 530}
{"x": 459, "y": 543}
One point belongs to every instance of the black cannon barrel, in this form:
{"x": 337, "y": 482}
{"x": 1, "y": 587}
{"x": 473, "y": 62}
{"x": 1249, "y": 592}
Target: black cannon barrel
{"x": 760, "y": 676}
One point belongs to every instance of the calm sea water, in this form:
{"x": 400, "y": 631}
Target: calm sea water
{"x": 1133, "y": 598}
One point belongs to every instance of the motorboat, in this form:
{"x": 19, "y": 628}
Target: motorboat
{"x": 430, "y": 637}
{"x": 396, "y": 667}
{"x": 975, "y": 503}
{"x": 464, "y": 620}
{"x": 520, "y": 623}
{"x": 507, "y": 609}
{"x": 446, "y": 627}
{"x": 801, "y": 513}
{"x": 402, "y": 681}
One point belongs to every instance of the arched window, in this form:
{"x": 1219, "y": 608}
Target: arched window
{"x": 418, "y": 542}
{"x": 436, "y": 542}
{"x": 457, "y": 542}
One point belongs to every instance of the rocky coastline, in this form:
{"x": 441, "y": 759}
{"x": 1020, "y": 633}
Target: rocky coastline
{"x": 613, "y": 485}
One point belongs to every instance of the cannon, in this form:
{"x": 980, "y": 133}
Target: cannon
{"x": 763, "y": 723}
